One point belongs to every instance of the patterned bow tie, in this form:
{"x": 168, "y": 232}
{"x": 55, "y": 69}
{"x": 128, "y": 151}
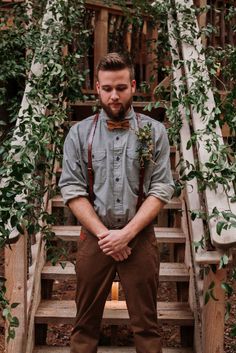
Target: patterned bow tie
{"x": 124, "y": 124}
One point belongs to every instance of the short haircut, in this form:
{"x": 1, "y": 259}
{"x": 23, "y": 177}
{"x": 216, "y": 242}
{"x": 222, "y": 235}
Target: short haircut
{"x": 116, "y": 62}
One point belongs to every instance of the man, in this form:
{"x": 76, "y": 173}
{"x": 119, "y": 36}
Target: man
{"x": 116, "y": 194}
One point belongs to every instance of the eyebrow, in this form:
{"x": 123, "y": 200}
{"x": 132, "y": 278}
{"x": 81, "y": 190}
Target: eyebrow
{"x": 119, "y": 86}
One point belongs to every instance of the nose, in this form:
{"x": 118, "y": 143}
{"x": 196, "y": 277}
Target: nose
{"x": 114, "y": 95}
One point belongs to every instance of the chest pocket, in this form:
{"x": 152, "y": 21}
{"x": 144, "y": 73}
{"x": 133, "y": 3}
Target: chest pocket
{"x": 133, "y": 170}
{"x": 132, "y": 166}
{"x": 99, "y": 166}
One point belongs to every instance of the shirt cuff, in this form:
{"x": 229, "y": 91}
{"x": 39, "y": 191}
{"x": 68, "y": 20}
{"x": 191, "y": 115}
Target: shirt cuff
{"x": 71, "y": 191}
{"x": 162, "y": 191}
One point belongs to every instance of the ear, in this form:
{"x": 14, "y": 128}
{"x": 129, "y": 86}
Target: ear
{"x": 133, "y": 86}
{"x": 98, "y": 87}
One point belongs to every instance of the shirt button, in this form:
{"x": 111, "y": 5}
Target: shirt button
{"x": 118, "y": 200}
{"x": 117, "y": 158}
{"x": 117, "y": 179}
{"x": 117, "y": 138}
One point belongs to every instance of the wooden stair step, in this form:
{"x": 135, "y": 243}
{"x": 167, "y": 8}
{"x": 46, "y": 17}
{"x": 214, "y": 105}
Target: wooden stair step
{"x": 115, "y": 313}
{"x": 163, "y": 234}
{"x": 121, "y": 349}
{"x": 175, "y": 202}
{"x": 171, "y": 272}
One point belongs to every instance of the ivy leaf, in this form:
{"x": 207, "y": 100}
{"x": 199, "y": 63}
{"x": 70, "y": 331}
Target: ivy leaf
{"x": 14, "y": 220}
{"x": 233, "y": 331}
{"x": 224, "y": 260}
{"x": 212, "y": 285}
{"x": 189, "y": 144}
{"x": 20, "y": 229}
{"x": 14, "y": 322}
{"x": 227, "y": 310}
{"x": 227, "y": 288}
{"x": 219, "y": 226}
{"x": 206, "y": 298}
{"x": 11, "y": 334}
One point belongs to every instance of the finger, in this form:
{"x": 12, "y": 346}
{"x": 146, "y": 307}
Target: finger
{"x": 103, "y": 234}
{"x": 103, "y": 241}
{"x": 115, "y": 257}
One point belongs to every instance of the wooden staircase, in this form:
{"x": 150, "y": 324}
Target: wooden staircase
{"x": 180, "y": 270}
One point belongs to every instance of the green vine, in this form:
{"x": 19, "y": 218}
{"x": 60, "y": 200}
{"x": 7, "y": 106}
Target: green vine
{"x": 61, "y": 81}
{"x": 27, "y": 155}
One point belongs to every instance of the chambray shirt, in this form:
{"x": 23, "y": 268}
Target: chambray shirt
{"x": 116, "y": 167}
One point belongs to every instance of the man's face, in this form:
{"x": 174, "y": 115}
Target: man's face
{"x": 115, "y": 90}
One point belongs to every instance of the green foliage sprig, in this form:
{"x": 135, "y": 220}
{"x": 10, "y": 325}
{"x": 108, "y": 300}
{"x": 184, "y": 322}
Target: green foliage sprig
{"x": 6, "y": 308}
{"x": 145, "y": 146}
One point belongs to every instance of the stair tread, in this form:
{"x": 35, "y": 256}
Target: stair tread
{"x": 163, "y": 234}
{"x": 120, "y": 349}
{"x": 168, "y": 272}
{"x": 115, "y": 313}
{"x": 175, "y": 202}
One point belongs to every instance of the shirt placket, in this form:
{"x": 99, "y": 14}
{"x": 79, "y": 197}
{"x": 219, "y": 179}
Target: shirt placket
{"x": 118, "y": 195}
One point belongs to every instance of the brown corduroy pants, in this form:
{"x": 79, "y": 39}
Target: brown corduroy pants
{"x": 139, "y": 278}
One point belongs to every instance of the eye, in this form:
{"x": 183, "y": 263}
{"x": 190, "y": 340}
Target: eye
{"x": 121, "y": 88}
{"x": 106, "y": 88}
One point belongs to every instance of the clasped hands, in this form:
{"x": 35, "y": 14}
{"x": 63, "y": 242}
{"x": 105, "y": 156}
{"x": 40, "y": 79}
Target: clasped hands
{"x": 115, "y": 244}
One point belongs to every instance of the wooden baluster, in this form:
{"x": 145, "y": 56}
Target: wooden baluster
{"x": 213, "y": 316}
{"x": 128, "y": 37}
{"x": 100, "y": 38}
{"x": 222, "y": 26}
{"x": 202, "y": 20}
{"x": 151, "y": 67}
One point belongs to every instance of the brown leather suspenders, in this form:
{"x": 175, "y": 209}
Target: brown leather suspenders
{"x": 141, "y": 174}
{"x": 90, "y": 165}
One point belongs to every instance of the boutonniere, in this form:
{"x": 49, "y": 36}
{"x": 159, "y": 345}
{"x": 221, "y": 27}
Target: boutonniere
{"x": 145, "y": 147}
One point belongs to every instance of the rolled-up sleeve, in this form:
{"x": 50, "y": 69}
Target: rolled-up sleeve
{"x": 73, "y": 179}
{"x": 162, "y": 185}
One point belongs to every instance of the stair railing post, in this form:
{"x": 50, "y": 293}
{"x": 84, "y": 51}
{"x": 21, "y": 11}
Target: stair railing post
{"x": 213, "y": 314}
{"x": 16, "y": 275}
{"x": 100, "y": 38}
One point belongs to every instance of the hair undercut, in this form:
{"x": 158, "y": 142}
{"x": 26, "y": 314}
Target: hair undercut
{"x": 116, "y": 62}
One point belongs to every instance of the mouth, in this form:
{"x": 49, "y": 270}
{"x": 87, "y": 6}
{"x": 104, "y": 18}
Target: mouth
{"x": 115, "y": 105}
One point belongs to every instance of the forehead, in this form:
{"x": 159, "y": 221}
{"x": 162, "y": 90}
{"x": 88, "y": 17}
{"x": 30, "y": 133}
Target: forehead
{"x": 114, "y": 77}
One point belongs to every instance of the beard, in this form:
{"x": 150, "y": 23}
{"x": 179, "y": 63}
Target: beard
{"x": 121, "y": 113}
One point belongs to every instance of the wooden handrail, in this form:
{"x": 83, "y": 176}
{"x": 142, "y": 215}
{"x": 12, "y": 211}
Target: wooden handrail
{"x": 213, "y": 313}
{"x": 214, "y": 198}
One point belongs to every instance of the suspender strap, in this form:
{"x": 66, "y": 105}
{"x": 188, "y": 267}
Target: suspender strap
{"x": 90, "y": 165}
{"x": 141, "y": 174}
